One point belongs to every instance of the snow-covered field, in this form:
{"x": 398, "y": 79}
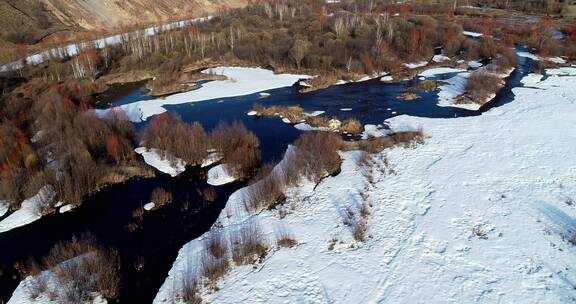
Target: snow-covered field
{"x": 480, "y": 213}
{"x": 241, "y": 81}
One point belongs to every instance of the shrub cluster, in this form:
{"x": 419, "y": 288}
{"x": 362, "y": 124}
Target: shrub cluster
{"x": 81, "y": 269}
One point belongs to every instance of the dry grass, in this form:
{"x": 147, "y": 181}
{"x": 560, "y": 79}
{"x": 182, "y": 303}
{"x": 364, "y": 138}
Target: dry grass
{"x": 217, "y": 244}
{"x": 190, "y": 290}
{"x": 81, "y": 268}
{"x": 425, "y": 86}
{"x": 213, "y": 268}
{"x": 240, "y": 148}
{"x": 161, "y": 197}
{"x": 351, "y": 126}
{"x": 248, "y": 245}
{"x": 296, "y": 114}
{"x": 481, "y": 86}
{"x": 284, "y": 238}
{"x": 209, "y": 194}
{"x": 317, "y": 154}
{"x": 293, "y": 113}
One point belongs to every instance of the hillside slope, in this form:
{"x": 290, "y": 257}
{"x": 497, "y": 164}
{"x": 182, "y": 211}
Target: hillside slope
{"x": 27, "y": 22}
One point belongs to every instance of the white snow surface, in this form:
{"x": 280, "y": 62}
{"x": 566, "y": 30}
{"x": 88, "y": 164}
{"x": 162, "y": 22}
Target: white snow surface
{"x": 153, "y": 157}
{"x": 472, "y": 34}
{"x": 474, "y": 64}
{"x": 373, "y": 131}
{"x": 66, "y": 208}
{"x": 29, "y": 211}
{"x": 454, "y": 87}
{"x": 219, "y": 175}
{"x": 558, "y": 60}
{"x": 416, "y": 64}
{"x": 439, "y": 71}
{"x": 211, "y": 159}
{"x": 314, "y": 113}
{"x": 386, "y": 78}
{"x": 479, "y": 213}
{"x": 23, "y": 293}
{"x": 306, "y": 127}
{"x": 240, "y": 81}
{"x": 3, "y": 208}
{"x": 440, "y": 58}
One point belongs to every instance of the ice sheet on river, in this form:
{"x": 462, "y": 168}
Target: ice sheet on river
{"x": 241, "y": 81}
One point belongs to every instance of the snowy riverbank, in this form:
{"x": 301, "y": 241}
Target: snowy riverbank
{"x": 482, "y": 212}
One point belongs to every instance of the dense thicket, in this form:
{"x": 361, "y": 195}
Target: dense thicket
{"x": 52, "y": 139}
{"x": 238, "y": 147}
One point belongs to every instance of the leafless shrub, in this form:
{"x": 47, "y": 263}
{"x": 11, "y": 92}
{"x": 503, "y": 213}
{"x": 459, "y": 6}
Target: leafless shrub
{"x": 292, "y": 113}
{"x": 351, "y": 126}
{"x": 317, "y": 154}
{"x": 284, "y": 238}
{"x": 131, "y": 227}
{"x": 209, "y": 194}
{"x": 217, "y": 244}
{"x": 240, "y": 148}
{"x": 248, "y": 244}
{"x": 359, "y": 229}
{"x": 82, "y": 268}
{"x": 365, "y": 160}
{"x": 479, "y": 232}
{"x": 161, "y": 197}
{"x": 176, "y": 138}
{"x": 39, "y": 284}
{"x": 482, "y": 85}
{"x": 190, "y": 290}
{"x": 213, "y": 267}
{"x": 138, "y": 214}
{"x": 319, "y": 121}
{"x": 265, "y": 193}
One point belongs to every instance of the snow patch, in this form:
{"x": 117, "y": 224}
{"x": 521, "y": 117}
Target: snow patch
{"x": 240, "y": 81}
{"x": 154, "y": 158}
{"x": 416, "y": 65}
{"x": 439, "y": 71}
{"x": 440, "y": 58}
{"x": 30, "y": 210}
{"x": 472, "y": 34}
{"x": 219, "y": 175}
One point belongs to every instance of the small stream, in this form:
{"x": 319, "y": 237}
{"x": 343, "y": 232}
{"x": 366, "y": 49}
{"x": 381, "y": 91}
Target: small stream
{"x": 166, "y": 230}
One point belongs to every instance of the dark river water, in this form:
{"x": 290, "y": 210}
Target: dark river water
{"x": 163, "y": 232}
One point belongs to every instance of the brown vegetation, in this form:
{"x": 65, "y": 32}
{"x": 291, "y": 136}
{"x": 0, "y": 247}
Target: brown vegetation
{"x": 240, "y": 148}
{"x": 176, "y": 138}
{"x": 482, "y": 86}
{"x": 248, "y": 244}
{"x": 161, "y": 197}
{"x": 295, "y": 114}
{"x": 81, "y": 268}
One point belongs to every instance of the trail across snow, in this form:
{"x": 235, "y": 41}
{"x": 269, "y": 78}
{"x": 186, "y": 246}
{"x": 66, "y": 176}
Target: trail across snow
{"x": 479, "y": 213}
